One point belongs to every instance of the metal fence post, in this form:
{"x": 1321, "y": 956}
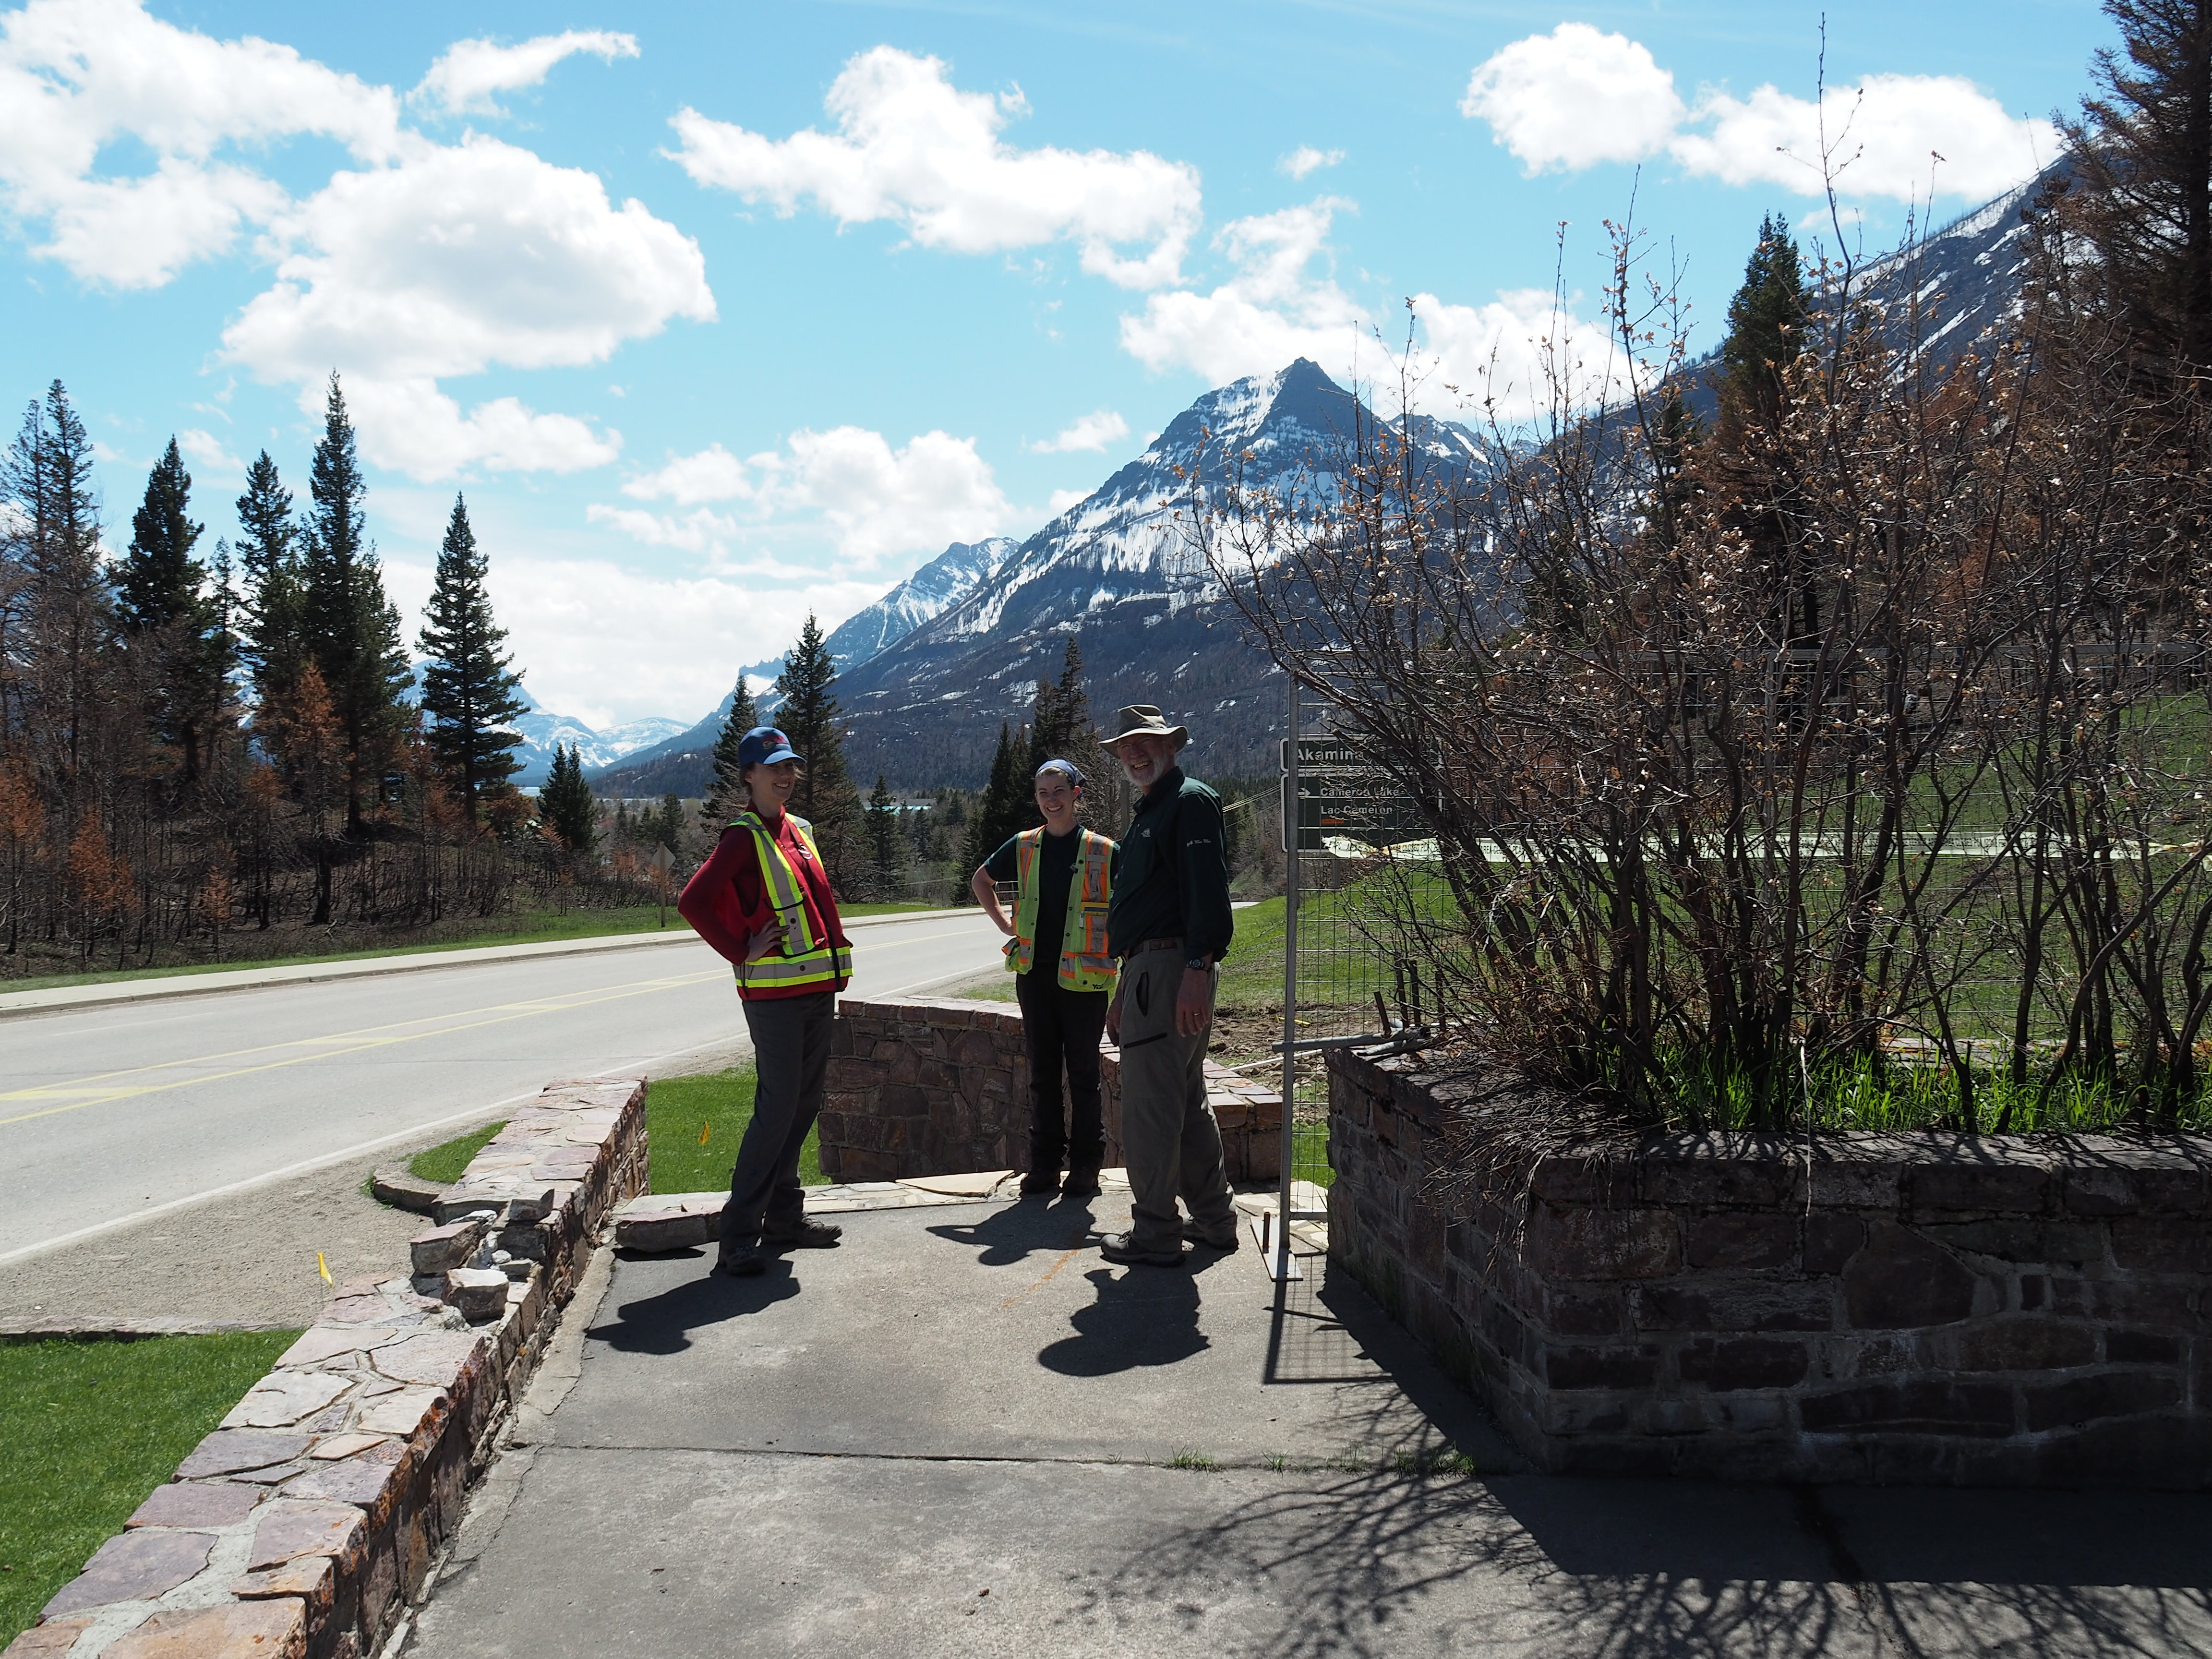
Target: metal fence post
{"x": 1280, "y": 1265}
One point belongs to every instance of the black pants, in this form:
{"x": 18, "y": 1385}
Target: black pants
{"x": 1061, "y": 1028}
{"x": 791, "y": 1057}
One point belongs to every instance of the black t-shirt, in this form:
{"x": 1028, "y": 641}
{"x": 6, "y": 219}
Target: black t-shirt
{"x": 1055, "y": 869}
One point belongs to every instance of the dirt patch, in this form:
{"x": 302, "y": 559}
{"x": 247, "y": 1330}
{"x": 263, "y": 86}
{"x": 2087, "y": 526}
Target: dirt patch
{"x": 247, "y": 1256}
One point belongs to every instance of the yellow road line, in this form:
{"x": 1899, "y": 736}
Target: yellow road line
{"x": 103, "y": 1096}
{"x": 338, "y": 1044}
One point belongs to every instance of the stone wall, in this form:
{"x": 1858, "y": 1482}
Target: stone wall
{"x": 303, "y": 1526}
{"x": 931, "y": 1087}
{"x": 1897, "y": 1308}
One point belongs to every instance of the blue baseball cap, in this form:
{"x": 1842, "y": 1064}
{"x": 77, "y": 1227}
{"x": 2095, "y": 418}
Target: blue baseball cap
{"x": 1074, "y": 772}
{"x": 764, "y": 746}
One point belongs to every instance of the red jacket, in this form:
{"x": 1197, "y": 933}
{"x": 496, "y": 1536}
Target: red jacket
{"x": 726, "y": 901}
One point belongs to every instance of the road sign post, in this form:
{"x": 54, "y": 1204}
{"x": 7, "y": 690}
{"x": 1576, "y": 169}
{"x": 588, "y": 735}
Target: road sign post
{"x": 661, "y": 859}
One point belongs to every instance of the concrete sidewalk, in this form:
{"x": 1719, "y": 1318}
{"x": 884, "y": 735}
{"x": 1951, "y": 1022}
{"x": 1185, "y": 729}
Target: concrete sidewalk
{"x": 963, "y": 1432}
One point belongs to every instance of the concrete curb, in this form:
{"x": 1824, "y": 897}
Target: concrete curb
{"x": 63, "y": 997}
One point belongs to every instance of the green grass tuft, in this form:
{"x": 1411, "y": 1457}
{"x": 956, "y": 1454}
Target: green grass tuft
{"x": 676, "y": 1107}
{"x": 1193, "y": 1460}
{"x": 447, "y": 1162}
{"x": 87, "y": 1429}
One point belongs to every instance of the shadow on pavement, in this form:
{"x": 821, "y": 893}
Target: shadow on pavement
{"x": 1020, "y": 1231}
{"x": 663, "y": 1324}
{"x": 1141, "y": 1316}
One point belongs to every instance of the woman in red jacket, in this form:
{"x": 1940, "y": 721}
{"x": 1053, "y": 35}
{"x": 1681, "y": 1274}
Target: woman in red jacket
{"x": 764, "y": 900}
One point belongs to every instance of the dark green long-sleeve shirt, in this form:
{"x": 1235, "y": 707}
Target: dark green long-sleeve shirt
{"x": 1173, "y": 877}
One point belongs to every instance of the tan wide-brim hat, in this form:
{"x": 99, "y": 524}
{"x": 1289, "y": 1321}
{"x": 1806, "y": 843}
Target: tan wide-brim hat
{"x": 1142, "y": 719}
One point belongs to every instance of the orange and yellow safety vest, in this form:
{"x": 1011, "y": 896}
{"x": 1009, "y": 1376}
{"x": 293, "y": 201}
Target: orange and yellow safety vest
{"x": 800, "y": 958}
{"x": 1083, "y": 964}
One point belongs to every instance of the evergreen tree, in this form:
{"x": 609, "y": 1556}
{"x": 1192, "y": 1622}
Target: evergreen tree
{"x": 348, "y": 627}
{"x": 1009, "y": 804}
{"x": 2142, "y": 161}
{"x": 668, "y": 826}
{"x": 726, "y": 796}
{"x": 56, "y": 671}
{"x": 469, "y": 685}
{"x": 808, "y": 715}
{"x": 268, "y": 567}
{"x": 1765, "y": 319}
{"x": 566, "y": 804}
{"x": 171, "y": 623}
{"x": 1061, "y": 727}
{"x": 885, "y": 852}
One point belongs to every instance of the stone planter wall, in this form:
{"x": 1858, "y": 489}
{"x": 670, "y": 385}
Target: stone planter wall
{"x": 302, "y": 1526}
{"x": 1926, "y": 1309}
{"x": 933, "y": 1087}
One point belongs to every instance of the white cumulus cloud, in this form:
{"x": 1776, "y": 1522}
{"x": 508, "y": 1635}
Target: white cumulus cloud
{"x": 712, "y": 475}
{"x": 1273, "y": 309}
{"x": 1094, "y": 431}
{"x": 464, "y": 78}
{"x": 1523, "y": 354}
{"x": 209, "y": 453}
{"x": 1884, "y": 137}
{"x": 1574, "y": 98}
{"x": 871, "y": 500}
{"x": 78, "y": 76}
{"x": 1306, "y": 159}
{"x": 461, "y": 257}
{"x": 912, "y": 148}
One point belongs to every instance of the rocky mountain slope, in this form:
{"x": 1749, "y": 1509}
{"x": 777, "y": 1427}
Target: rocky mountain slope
{"x": 1119, "y": 571}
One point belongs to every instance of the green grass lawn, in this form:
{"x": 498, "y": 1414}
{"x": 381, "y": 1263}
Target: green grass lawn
{"x": 521, "y": 930}
{"x": 694, "y": 1125}
{"x": 87, "y": 1429}
{"x": 446, "y": 1164}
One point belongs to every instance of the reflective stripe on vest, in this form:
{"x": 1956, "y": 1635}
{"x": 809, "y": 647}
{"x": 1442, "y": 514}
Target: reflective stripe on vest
{"x": 1083, "y": 964}
{"x": 802, "y": 962}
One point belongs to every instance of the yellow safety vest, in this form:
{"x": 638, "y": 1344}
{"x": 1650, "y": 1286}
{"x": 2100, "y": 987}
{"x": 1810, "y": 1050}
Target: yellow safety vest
{"x": 802, "y": 960}
{"x": 1083, "y": 964}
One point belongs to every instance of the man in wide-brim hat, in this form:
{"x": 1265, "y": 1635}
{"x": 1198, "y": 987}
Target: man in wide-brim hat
{"x": 1169, "y": 922}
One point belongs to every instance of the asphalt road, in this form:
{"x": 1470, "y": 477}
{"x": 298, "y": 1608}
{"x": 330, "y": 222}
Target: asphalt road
{"x": 115, "y": 1115}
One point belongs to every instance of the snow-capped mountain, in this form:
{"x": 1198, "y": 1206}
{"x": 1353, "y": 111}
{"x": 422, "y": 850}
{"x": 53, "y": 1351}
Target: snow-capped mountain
{"x": 681, "y": 761}
{"x": 541, "y": 731}
{"x": 1118, "y": 570}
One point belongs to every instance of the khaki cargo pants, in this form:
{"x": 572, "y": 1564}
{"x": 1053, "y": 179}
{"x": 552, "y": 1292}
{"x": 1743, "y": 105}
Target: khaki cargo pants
{"x": 1169, "y": 1142}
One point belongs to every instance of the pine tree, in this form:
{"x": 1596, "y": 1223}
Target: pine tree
{"x": 668, "y": 827}
{"x": 726, "y": 796}
{"x": 171, "y": 622}
{"x": 58, "y": 669}
{"x": 1765, "y": 320}
{"x": 885, "y": 851}
{"x": 1061, "y": 727}
{"x": 348, "y": 627}
{"x": 469, "y": 685}
{"x": 268, "y": 567}
{"x": 1009, "y": 804}
{"x": 808, "y": 715}
{"x": 2143, "y": 160}
{"x": 566, "y": 804}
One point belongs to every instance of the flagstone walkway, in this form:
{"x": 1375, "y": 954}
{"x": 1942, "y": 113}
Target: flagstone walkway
{"x": 964, "y": 1432}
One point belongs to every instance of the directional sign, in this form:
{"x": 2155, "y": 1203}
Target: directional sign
{"x": 660, "y": 858}
{"x": 1343, "y": 797}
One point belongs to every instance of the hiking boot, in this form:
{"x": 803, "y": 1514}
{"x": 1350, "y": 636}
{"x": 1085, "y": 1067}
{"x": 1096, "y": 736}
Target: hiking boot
{"x": 807, "y": 1236}
{"x": 1040, "y": 1183}
{"x": 1225, "y": 1241}
{"x": 1122, "y": 1247}
{"x": 744, "y": 1261}
{"x": 1082, "y": 1181}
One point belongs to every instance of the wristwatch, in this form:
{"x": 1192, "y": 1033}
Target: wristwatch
{"x": 1199, "y": 963}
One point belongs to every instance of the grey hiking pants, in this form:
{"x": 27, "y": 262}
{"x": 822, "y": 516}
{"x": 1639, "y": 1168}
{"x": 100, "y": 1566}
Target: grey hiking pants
{"x": 1169, "y": 1140}
{"x": 791, "y": 1057}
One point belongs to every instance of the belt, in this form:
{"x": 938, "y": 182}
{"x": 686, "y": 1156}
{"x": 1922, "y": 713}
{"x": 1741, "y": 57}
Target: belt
{"x": 1153, "y": 945}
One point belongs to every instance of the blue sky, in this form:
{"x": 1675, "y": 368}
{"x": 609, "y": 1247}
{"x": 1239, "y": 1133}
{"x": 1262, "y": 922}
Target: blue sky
{"x": 719, "y": 313}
